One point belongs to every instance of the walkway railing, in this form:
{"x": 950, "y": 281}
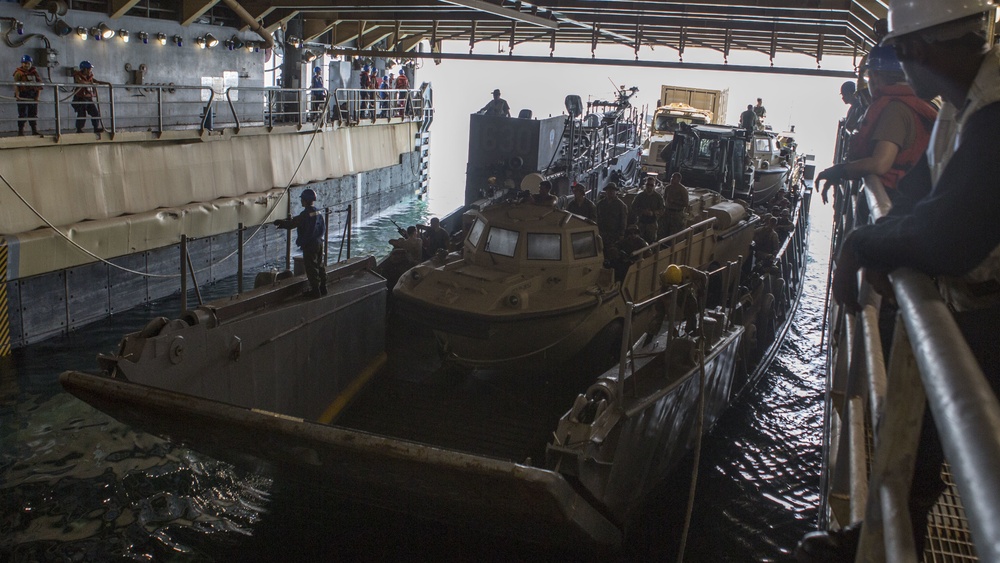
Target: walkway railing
{"x": 928, "y": 353}
{"x": 158, "y": 108}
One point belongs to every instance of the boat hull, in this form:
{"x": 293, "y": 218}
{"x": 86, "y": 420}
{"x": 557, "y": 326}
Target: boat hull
{"x": 449, "y": 486}
{"x": 655, "y": 424}
{"x": 536, "y": 341}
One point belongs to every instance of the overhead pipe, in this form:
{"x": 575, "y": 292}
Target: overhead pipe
{"x": 252, "y": 22}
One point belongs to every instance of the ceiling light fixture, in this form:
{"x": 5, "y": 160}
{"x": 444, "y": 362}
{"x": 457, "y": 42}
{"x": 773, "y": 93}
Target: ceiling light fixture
{"x": 162, "y": 38}
{"x": 123, "y": 34}
{"x": 105, "y": 31}
{"x": 143, "y": 36}
{"x": 62, "y": 28}
{"x": 178, "y": 40}
{"x": 82, "y": 32}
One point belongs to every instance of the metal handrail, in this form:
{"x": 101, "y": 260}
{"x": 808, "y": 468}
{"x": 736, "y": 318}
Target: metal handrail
{"x": 353, "y": 105}
{"x": 121, "y": 106}
{"x": 157, "y": 108}
{"x": 271, "y": 106}
{"x": 966, "y": 412}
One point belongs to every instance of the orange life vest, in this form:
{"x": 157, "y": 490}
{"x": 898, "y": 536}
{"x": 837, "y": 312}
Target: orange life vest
{"x": 924, "y": 115}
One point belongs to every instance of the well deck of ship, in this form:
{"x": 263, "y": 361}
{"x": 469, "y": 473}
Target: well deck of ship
{"x": 495, "y": 413}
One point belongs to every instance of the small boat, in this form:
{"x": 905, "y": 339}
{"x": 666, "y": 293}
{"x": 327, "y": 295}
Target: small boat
{"x": 531, "y": 286}
{"x": 772, "y": 162}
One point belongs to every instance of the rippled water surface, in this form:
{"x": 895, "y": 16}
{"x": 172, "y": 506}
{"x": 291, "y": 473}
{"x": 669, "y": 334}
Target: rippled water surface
{"x": 76, "y": 485}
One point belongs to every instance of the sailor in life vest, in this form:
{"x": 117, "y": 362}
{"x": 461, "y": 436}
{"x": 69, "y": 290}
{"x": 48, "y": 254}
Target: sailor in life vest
{"x": 893, "y": 133}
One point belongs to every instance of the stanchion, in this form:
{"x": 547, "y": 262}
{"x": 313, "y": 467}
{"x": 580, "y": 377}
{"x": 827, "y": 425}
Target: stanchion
{"x": 239, "y": 259}
{"x": 184, "y": 251}
{"x": 4, "y": 316}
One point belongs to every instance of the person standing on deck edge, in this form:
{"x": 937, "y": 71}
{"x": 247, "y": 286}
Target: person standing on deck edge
{"x": 309, "y": 236}
{"x": 952, "y": 232}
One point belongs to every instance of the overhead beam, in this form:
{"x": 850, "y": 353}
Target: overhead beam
{"x": 515, "y": 15}
{"x": 373, "y": 36}
{"x": 120, "y": 7}
{"x": 409, "y": 42}
{"x": 611, "y": 62}
{"x": 278, "y": 18}
{"x": 191, "y": 10}
{"x": 343, "y": 32}
{"x": 314, "y": 28}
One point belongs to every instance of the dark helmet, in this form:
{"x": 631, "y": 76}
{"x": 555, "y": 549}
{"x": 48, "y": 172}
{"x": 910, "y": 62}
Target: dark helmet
{"x": 26, "y": 59}
{"x": 366, "y": 68}
{"x": 402, "y": 72}
{"x": 84, "y": 65}
{"x": 308, "y": 195}
{"x": 883, "y": 59}
{"x": 317, "y": 70}
{"x": 848, "y": 88}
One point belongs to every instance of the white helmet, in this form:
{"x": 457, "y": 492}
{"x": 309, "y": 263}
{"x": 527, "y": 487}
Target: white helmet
{"x": 908, "y": 16}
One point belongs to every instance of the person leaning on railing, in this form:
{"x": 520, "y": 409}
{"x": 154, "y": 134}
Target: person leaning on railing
{"x": 952, "y": 233}
{"x": 84, "y": 96}
{"x": 892, "y": 134}
{"x": 27, "y": 96}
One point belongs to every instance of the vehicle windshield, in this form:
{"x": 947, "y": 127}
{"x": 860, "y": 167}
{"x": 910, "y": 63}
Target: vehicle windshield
{"x": 666, "y": 123}
{"x": 501, "y": 241}
{"x": 476, "y": 231}
{"x": 544, "y": 246}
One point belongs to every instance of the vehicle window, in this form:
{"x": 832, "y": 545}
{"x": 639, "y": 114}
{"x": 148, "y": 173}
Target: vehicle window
{"x": 476, "y": 231}
{"x": 547, "y": 246}
{"x": 501, "y": 241}
{"x": 763, "y": 146}
{"x": 584, "y": 245}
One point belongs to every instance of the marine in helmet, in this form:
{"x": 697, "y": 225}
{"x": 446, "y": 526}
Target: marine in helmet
{"x": 893, "y": 133}
{"x": 310, "y": 233}
{"x": 26, "y": 95}
{"x": 497, "y": 106}
{"x": 85, "y": 98}
{"x": 952, "y": 232}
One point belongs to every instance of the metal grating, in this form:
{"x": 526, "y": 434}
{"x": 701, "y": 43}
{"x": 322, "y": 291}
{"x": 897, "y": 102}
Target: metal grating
{"x": 948, "y": 538}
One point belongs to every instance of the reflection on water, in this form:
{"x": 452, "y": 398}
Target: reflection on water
{"x": 77, "y": 485}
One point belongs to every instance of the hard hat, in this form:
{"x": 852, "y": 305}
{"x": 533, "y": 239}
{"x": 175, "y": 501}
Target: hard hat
{"x": 26, "y": 59}
{"x": 308, "y": 195}
{"x": 366, "y": 68}
{"x": 317, "y": 70}
{"x": 672, "y": 275}
{"x": 882, "y": 58}
{"x": 385, "y": 79}
{"x": 908, "y": 16}
{"x": 402, "y": 72}
{"x": 86, "y": 65}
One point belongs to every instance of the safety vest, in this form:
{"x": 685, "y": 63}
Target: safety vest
{"x": 924, "y": 114}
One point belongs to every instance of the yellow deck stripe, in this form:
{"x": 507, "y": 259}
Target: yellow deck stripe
{"x": 4, "y": 318}
{"x": 353, "y": 389}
